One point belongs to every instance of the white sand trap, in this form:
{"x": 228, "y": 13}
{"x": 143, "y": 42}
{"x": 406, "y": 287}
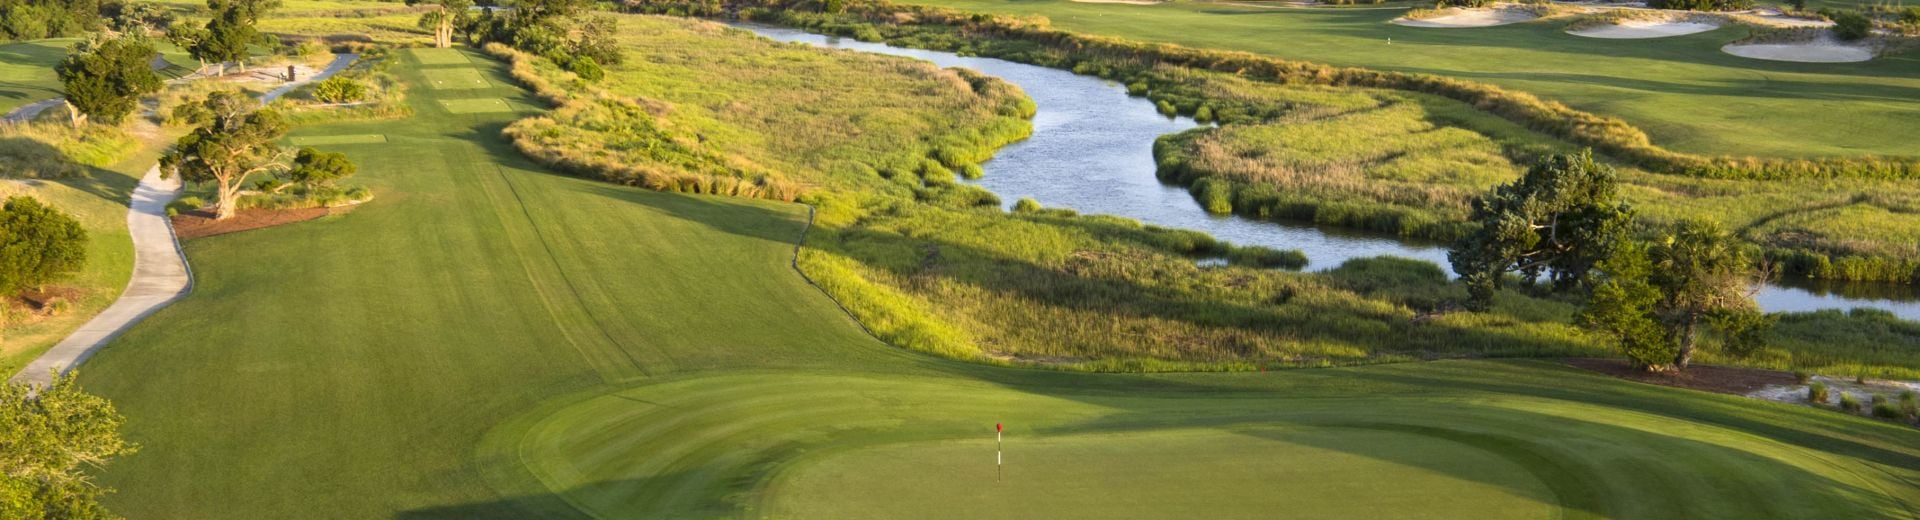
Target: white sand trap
{"x": 1458, "y": 18}
{"x": 1642, "y": 29}
{"x": 1775, "y": 18}
{"x": 1823, "y": 50}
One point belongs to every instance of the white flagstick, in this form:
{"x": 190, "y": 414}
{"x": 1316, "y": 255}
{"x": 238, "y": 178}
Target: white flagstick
{"x": 997, "y": 460}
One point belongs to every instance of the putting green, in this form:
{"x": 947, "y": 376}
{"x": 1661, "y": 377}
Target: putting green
{"x": 318, "y": 140}
{"x": 459, "y": 78}
{"x": 476, "y": 105}
{"x": 799, "y": 446}
{"x": 1302, "y": 472}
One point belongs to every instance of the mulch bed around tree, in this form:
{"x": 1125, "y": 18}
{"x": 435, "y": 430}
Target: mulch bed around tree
{"x": 1726, "y": 380}
{"x": 196, "y": 224}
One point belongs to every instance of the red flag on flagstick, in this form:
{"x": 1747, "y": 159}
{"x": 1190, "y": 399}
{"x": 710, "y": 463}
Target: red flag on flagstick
{"x": 996, "y": 427}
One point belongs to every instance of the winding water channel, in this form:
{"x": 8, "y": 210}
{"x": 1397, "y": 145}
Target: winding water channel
{"x": 1092, "y": 150}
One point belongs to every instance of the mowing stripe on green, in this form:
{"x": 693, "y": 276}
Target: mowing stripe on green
{"x": 476, "y": 105}
{"x": 310, "y": 140}
{"x": 454, "y": 78}
{"x": 440, "y": 57}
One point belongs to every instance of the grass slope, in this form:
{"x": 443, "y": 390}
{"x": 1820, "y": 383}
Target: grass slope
{"x": 99, "y": 201}
{"x": 488, "y": 340}
{"x": 1683, "y": 91}
{"x": 26, "y": 69}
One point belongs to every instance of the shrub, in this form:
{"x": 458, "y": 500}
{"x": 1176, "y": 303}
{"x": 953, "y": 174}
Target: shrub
{"x": 1801, "y": 377}
{"x": 339, "y": 89}
{"x": 1027, "y": 205}
{"x": 1849, "y": 403}
{"x": 38, "y": 244}
{"x": 1462, "y": 3}
{"x": 1910, "y": 16}
{"x": 185, "y": 204}
{"x": 1817, "y": 393}
{"x": 320, "y": 168}
{"x": 587, "y": 68}
{"x": 1850, "y": 25}
{"x": 1885, "y": 409}
{"x": 1910, "y": 405}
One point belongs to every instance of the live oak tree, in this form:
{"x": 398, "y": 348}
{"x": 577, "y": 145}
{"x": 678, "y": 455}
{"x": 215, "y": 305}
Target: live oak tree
{"x": 104, "y": 78}
{"x": 1557, "y": 221}
{"x": 47, "y": 441}
{"x": 444, "y": 18}
{"x": 234, "y": 138}
{"x": 140, "y": 18}
{"x": 318, "y": 168}
{"x": 1655, "y": 299}
{"x": 230, "y": 31}
{"x": 38, "y": 244}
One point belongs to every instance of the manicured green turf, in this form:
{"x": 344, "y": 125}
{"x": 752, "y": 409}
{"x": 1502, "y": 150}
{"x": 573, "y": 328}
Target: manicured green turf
{"x": 460, "y": 78}
{"x": 476, "y": 105}
{"x": 490, "y": 340}
{"x": 1683, "y": 91}
{"x": 432, "y": 57}
{"x": 318, "y": 140}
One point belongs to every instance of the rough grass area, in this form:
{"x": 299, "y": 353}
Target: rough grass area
{"x": 1386, "y": 162}
{"x": 476, "y": 105}
{"x": 505, "y": 342}
{"x": 323, "y": 140}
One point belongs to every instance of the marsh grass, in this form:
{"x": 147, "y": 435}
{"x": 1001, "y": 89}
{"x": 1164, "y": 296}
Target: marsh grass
{"x": 934, "y": 265}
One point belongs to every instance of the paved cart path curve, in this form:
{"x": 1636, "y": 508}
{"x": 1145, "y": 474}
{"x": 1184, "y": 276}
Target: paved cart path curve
{"x": 160, "y": 272}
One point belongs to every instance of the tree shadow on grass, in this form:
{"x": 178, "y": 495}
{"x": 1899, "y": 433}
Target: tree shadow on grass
{"x": 89, "y": 179}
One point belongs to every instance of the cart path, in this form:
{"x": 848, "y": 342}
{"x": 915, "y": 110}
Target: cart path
{"x": 160, "y": 272}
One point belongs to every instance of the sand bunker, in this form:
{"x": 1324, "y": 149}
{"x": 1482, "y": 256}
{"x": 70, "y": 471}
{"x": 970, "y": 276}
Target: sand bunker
{"x": 1456, "y": 18}
{"x": 1775, "y": 18}
{"x": 1824, "y": 50}
{"x": 1641, "y": 29}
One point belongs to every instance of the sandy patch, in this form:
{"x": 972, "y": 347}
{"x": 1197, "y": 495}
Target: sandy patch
{"x": 1775, "y": 18}
{"x": 1797, "y": 394}
{"x": 1642, "y": 29}
{"x": 1823, "y": 50}
{"x": 1459, "y": 18}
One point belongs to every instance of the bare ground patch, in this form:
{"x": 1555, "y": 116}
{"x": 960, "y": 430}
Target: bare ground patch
{"x": 1725, "y": 380}
{"x": 197, "y": 224}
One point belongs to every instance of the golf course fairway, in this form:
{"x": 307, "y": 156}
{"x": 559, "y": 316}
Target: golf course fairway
{"x": 489, "y": 339}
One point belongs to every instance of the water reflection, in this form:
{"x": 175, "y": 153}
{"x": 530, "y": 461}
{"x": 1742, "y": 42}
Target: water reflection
{"x": 1092, "y": 150}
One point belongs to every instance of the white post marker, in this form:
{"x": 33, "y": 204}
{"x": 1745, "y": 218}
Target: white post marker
{"x": 997, "y": 460}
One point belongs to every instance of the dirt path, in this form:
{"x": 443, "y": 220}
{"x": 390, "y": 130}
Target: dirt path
{"x": 160, "y": 272}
